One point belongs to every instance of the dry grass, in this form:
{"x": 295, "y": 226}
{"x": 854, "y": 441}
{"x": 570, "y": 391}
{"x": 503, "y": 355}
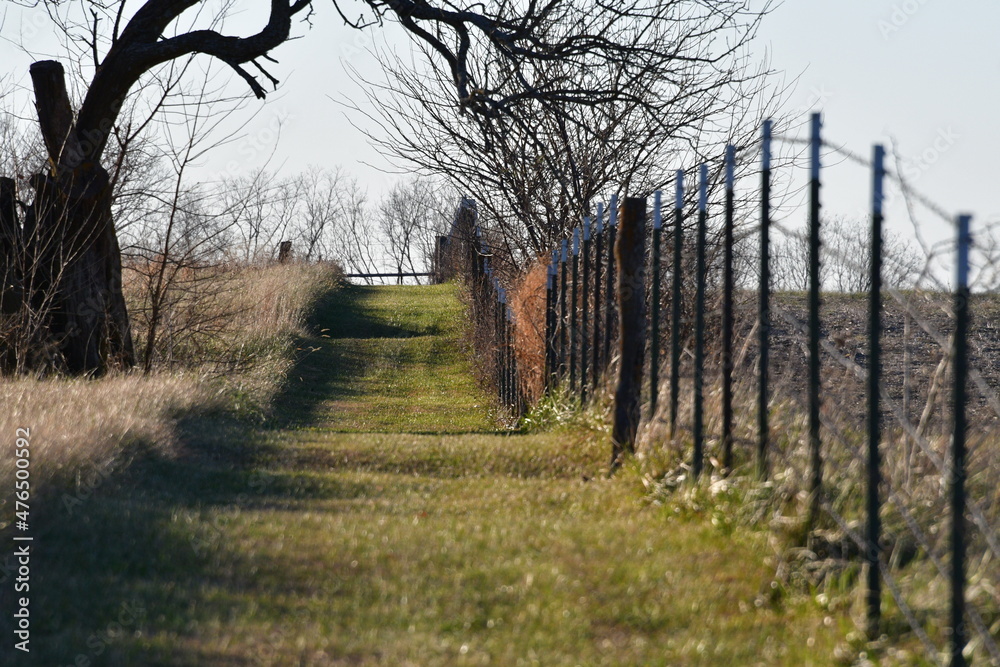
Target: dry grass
{"x": 269, "y": 305}
{"x": 89, "y": 427}
{"x": 76, "y": 424}
{"x": 915, "y": 513}
{"x": 528, "y": 303}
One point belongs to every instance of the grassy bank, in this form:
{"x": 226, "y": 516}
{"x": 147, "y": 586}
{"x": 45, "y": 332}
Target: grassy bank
{"x": 85, "y": 428}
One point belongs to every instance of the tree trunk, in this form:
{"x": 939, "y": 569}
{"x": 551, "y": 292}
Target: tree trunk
{"x": 72, "y": 266}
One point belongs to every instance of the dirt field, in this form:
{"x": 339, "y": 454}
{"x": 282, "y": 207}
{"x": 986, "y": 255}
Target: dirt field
{"x": 844, "y": 320}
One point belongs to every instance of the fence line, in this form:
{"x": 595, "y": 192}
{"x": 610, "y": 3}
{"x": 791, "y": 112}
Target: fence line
{"x": 581, "y": 324}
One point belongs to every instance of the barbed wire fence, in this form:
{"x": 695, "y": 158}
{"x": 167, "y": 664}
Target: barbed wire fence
{"x": 807, "y": 398}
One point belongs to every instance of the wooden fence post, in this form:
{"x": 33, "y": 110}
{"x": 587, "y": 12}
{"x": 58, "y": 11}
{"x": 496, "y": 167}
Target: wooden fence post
{"x": 630, "y": 251}
{"x": 284, "y": 252}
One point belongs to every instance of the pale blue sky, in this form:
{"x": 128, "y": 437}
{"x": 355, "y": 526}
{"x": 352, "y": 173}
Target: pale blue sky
{"x": 925, "y": 72}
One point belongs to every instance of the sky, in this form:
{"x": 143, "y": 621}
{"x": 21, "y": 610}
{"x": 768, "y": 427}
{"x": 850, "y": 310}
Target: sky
{"x": 920, "y": 72}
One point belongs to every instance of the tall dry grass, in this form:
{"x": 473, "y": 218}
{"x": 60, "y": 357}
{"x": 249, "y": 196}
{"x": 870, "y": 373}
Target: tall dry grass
{"x": 527, "y": 300}
{"x": 89, "y": 427}
{"x": 915, "y": 510}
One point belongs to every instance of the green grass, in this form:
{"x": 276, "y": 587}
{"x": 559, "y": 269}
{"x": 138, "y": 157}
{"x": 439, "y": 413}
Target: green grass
{"x": 386, "y": 360}
{"x": 378, "y": 519}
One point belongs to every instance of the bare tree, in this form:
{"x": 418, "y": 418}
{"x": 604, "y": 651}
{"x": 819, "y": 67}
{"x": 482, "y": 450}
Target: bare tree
{"x": 260, "y": 207}
{"x": 79, "y": 259}
{"x": 180, "y": 243}
{"x": 845, "y": 256}
{"x": 356, "y": 233}
{"x": 321, "y": 207}
{"x": 676, "y": 83}
{"x": 411, "y": 216}
{"x": 790, "y": 262}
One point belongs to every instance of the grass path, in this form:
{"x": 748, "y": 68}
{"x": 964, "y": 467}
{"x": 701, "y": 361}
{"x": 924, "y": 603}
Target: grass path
{"x": 382, "y": 521}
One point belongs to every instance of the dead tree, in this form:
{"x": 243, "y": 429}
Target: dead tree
{"x": 70, "y": 262}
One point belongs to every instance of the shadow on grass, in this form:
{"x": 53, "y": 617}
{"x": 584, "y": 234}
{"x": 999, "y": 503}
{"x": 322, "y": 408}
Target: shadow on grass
{"x": 335, "y": 353}
{"x": 121, "y": 555}
{"x": 121, "y": 564}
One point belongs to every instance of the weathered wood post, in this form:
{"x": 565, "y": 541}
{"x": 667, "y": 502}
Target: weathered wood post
{"x": 630, "y": 253}
{"x": 284, "y": 252}
{"x": 440, "y": 259}
{"x": 10, "y": 245}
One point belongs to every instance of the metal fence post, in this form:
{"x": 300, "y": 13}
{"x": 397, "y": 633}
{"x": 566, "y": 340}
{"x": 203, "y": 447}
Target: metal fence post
{"x": 727, "y": 316}
{"x": 609, "y": 297}
{"x": 562, "y": 311}
{"x": 505, "y": 345}
{"x": 585, "y": 313}
{"x": 873, "y": 526}
{"x": 699, "y": 326}
{"x": 547, "y": 339}
{"x": 675, "y": 301}
{"x": 497, "y": 339}
{"x": 654, "y": 309}
{"x": 550, "y": 322}
{"x": 501, "y": 345}
{"x": 764, "y": 305}
{"x": 598, "y": 259}
{"x": 511, "y": 360}
{"x": 574, "y": 333}
{"x": 958, "y": 453}
{"x": 815, "y": 455}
